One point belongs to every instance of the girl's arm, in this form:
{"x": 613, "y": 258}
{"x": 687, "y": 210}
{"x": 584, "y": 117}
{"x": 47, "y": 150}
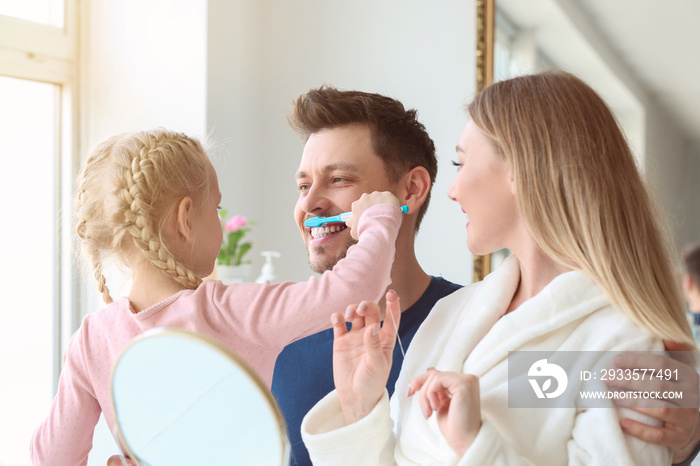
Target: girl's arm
{"x": 65, "y": 437}
{"x": 277, "y": 314}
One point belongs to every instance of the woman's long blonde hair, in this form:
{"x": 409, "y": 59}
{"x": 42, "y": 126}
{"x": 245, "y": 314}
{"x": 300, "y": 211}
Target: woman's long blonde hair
{"x": 128, "y": 185}
{"x": 581, "y": 194}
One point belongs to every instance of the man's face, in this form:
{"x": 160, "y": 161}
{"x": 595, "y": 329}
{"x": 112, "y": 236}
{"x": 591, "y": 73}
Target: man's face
{"x": 338, "y": 165}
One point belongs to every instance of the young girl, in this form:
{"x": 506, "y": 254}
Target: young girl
{"x": 543, "y": 170}
{"x": 150, "y": 200}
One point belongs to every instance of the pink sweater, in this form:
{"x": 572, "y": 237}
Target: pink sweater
{"x": 254, "y": 320}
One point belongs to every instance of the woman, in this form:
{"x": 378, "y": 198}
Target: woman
{"x": 544, "y": 171}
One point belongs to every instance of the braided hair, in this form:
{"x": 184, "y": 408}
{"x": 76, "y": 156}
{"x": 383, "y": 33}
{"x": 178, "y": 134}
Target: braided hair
{"x": 128, "y": 185}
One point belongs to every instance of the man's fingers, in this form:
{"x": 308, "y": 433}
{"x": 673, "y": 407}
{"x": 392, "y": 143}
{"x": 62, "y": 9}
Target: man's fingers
{"x": 647, "y": 433}
{"x": 679, "y": 418}
{"x": 671, "y": 345}
{"x": 657, "y": 435}
{"x": 660, "y": 409}
{"x": 644, "y": 385}
{"x": 681, "y": 352}
{"x": 643, "y": 361}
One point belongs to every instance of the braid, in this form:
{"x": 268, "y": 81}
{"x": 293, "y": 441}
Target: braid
{"x": 137, "y": 195}
{"x": 127, "y": 187}
{"x": 87, "y": 208}
{"x": 99, "y": 276}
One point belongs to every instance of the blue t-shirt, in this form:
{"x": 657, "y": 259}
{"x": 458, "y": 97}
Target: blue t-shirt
{"x": 304, "y": 369}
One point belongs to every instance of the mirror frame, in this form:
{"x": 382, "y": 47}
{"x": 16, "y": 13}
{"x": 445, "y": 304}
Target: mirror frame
{"x": 223, "y": 351}
{"x": 485, "y": 33}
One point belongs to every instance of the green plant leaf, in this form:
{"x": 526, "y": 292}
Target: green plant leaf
{"x": 244, "y": 248}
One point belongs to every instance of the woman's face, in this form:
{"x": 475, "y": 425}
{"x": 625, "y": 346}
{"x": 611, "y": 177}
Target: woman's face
{"x": 485, "y": 190}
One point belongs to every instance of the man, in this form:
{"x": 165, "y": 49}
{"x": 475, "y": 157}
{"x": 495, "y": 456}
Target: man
{"x": 356, "y": 142}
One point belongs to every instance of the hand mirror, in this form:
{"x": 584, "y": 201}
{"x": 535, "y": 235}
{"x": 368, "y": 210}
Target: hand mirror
{"x": 181, "y": 398}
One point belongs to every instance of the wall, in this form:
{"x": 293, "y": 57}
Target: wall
{"x": 673, "y": 167}
{"x": 574, "y": 40}
{"x": 143, "y": 66}
{"x": 263, "y": 54}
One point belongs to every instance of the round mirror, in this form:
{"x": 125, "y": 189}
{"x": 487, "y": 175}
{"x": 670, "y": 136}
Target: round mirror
{"x": 181, "y": 398}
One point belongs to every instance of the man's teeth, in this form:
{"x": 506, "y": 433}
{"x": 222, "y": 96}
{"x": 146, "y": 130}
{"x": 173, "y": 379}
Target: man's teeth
{"x": 320, "y": 232}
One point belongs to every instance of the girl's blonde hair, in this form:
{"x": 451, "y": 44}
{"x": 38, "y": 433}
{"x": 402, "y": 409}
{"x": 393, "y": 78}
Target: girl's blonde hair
{"x": 581, "y": 194}
{"x": 128, "y": 185}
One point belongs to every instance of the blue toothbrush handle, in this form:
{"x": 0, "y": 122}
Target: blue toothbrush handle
{"x": 345, "y": 216}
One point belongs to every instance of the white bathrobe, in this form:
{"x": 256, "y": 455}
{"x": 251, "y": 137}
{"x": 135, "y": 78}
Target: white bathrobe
{"x": 468, "y": 332}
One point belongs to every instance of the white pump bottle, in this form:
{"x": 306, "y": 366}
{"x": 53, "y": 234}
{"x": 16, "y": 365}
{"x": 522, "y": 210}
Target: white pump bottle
{"x": 267, "y": 274}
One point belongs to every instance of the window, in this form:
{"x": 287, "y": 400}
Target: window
{"x": 38, "y": 40}
{"x": 27, "y": 188}
{"x": 49, "y": 12}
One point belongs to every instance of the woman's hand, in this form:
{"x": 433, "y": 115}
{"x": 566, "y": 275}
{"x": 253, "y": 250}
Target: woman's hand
{"x": 362, "y": 356}
{"x": 455, "y": 400}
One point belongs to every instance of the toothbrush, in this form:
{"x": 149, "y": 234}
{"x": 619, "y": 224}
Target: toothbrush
{"x": 318, "y": 221}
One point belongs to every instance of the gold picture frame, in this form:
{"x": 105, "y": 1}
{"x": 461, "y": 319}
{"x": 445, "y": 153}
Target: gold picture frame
{"x": 485, "y": 31}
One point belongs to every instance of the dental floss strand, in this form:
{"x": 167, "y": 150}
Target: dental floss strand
{"x": 397, "y": 335}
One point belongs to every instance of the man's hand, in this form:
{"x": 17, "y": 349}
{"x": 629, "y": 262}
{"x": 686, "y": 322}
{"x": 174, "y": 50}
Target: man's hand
{"x": 680, "y": 430}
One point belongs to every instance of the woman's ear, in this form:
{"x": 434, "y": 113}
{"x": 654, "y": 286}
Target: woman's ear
{"x": 416, "y": 187}
{"x": 511, "y": 180}
{"x": 184, "y": 219}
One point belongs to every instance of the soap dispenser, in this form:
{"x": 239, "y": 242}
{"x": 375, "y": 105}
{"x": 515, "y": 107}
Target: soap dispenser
{"x": 267, "y": 274}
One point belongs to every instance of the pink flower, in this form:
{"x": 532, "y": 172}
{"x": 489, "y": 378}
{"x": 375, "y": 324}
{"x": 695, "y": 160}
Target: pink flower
{"x": 236, "y": 223}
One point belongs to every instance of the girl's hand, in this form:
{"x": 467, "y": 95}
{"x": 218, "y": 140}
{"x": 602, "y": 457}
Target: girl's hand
{"x": 365, "y": 202}
{"x": 455, "y": 399}
{"x": 117, "y": 460}
{"x": 362, "y": 356}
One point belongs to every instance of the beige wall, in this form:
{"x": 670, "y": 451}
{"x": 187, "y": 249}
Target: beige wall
{"x": 673, "y": 169}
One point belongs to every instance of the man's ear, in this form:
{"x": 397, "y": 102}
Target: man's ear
{"x": 184, "y": 219}
{"x": 416, "y": 187}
